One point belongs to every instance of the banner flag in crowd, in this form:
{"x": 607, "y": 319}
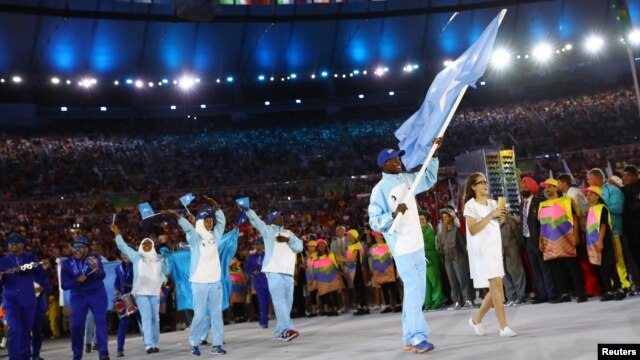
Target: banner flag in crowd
{"x": 180, "y": 267}
{"x": 145, "y": 210}
{"x": 187, "y": 199}
{"x": 416, "y": 135}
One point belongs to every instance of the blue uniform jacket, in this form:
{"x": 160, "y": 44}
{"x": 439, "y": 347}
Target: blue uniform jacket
{"x": 72, "y": 268}
{"x": 18, "y": 289}
{"x": 124, "y": 277}
{"x": 254, "y": 263}
{"x": 614, "y": 199}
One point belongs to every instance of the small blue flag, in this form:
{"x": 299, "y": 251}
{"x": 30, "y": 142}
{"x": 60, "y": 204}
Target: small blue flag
{"x": 187, "y": 199}
{"x": 145, "y": 210}
{"x": 243, "y": 202}
{"x": 418, "y": 132}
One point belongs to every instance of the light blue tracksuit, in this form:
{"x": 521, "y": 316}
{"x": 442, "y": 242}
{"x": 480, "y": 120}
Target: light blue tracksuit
{"x": 411, "y": 266}
{"x": 206, "y": 297}
{"x": 280, "y": 283}
{"x": 148, "y": 305}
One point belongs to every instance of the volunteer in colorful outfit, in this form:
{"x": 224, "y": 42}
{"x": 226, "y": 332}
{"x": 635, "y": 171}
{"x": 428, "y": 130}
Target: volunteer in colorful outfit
{"x": 327, "y": 277}
{"x": 312, "y": 286}
{"x": 206, "y": 275}
{"x": 600, "y": 245}
{"x": 238, "y": 296}
{"x": 83, "y": 275}
{"x": 149, "y": 269}
{"x": 384, "y": 273}
{"x": 281, "y": 247}
{"x": 123, "y": 285}
{"x": 559, "y": 236}
{"x": 19, "y": 294}
{"x": 388, "y": 199}
{"x": 353, "y": 268}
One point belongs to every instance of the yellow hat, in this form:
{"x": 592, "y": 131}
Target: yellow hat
{"x": 354, "y": 233}
{"x": 312, "y": 243}
{"x": 595, "y": 189}
{"x": 549, "y": 182}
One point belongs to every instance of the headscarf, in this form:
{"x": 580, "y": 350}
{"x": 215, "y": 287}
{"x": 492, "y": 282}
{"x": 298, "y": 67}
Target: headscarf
{"x": 148, "y": 255}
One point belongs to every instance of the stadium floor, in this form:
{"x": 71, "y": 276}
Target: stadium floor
{"x": 545, "y": 331}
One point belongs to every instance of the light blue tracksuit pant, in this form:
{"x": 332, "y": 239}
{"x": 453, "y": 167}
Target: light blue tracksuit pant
{"x": 149, "y": 307}
{"x": 281, "y": 289}
{"x": 412, "y": 269}
{"x": 207, "y": 313}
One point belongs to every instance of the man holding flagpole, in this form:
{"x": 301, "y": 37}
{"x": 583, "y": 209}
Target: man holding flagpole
{"x": 393, "y": 209}
{"x": 388, "y": 200}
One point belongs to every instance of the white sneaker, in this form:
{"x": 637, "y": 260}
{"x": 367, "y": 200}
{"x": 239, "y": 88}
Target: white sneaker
{"x": 478, "y": 329}
{"x": 507, "y": 332}
{"x": 373, "y": 308}
{"x": 3, "y": 344}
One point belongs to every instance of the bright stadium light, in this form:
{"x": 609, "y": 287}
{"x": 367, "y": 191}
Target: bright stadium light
{"x": 501, "y": 58}
{"x": 16, "y": 79}
{"x": 55, "y": 80}
{"x": 634, "y": 37}
{"x": 187, "y": 82}
{"x": 150, "y": 84}
{"x": 360, "y": 96}
{"x": 116, "y": 82}
{"x": 379, "y": 71}
{"x": 63, "y": 108}
{"x": 298, "y": 101}
{"x": 103, "y": 108}
{"x": 229, "y": 79}
{"x": 392, "y": 93}
{"x": 203, "y": 106}
{"x": 324, "y": 74}
{"x": 293, "y": 76}
{"x": 594, "y": 44}
{"x": 173, "y": 107}
{"x": 267, "y": 103}
{"x": 129, "y": 81}
{"x": 261, "y": 77}
{"x": 313, "y": 76}
{"x": 568, "y": 47}
{"x": 542, "y": 52}
{"x": 139, "y": 83}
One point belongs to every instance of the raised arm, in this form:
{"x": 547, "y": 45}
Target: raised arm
{"x": 257, "y": 223}
{"x": 221, "y": 221}
{"x": 122, "y": 246}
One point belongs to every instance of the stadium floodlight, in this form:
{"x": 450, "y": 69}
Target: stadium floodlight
{"x": 356, "y": 72}
{"x": 173, "y": 107}
{"x": 129, "y": 81}
{"x": 116, "y": 82}
{"x": 634, "y": 37}
{"x": 501, "y": 58}
{"x": 298, "y": 101}
{"x": 542, "y": 52}
{"x": 267, "y": 103}
{"x": 187, "y": 82}
{"x": 150, "y": 84}
{"x": 361, "y": 96}
{"x": 261, "y": 77}
{"x": 313, "y": 76}
{"x": 568, "y": 47}
{"x": 139, "y": 83}
{"x": 63, "y": 108}
{"x": 594, "y": 44}
{"x": 16, "y": 79}
{"x": 165, "y": 81}
{"x": 379, "y": 71}
{"x": 293, "y": 76}
{"x": 203, "y": 106}
{"x": 415, "y": 66}
{"x": 324, "y": 74}
{"x": 392, "y": 93}
{"x": 55, "y": 80}
{"x": 103, "y": 108}
{"x": 229, "y": 79}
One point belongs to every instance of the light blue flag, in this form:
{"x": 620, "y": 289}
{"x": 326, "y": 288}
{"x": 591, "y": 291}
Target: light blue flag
{"x": 145, "y": 210}
{"x": 243, "y": 202}
{"x": 416, "y": 135}
{"x": 180, "y": 266}
{"x": 187, "y": 199}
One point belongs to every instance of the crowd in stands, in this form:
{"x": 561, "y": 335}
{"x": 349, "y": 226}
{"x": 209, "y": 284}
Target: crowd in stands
{"x": 99, "y": 163}
{"x": 587, "y": 131}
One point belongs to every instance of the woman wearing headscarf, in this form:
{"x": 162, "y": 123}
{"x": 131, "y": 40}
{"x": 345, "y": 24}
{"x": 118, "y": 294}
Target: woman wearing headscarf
{"x": 149, "y": 269}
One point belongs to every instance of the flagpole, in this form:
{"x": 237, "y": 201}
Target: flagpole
{"x": 432, "y": 151}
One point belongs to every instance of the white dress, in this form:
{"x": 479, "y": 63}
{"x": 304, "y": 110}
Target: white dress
{"x": 485, "y": 247}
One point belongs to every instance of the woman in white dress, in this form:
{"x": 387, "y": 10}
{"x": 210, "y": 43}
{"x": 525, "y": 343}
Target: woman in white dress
{"x": 484, "y": 245}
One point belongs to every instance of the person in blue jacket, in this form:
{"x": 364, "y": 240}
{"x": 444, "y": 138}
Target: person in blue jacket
{"x": 206, "y": 244}
{"x": 149, "y": 271}
{"x": 83, "y": 275}
{"x": 253, "y": 269}
{"x": 19, "y": 271}
{"x": 388, "y": 199}
{"x": 123, "y": 285}
{"x": 281, "y": 247}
